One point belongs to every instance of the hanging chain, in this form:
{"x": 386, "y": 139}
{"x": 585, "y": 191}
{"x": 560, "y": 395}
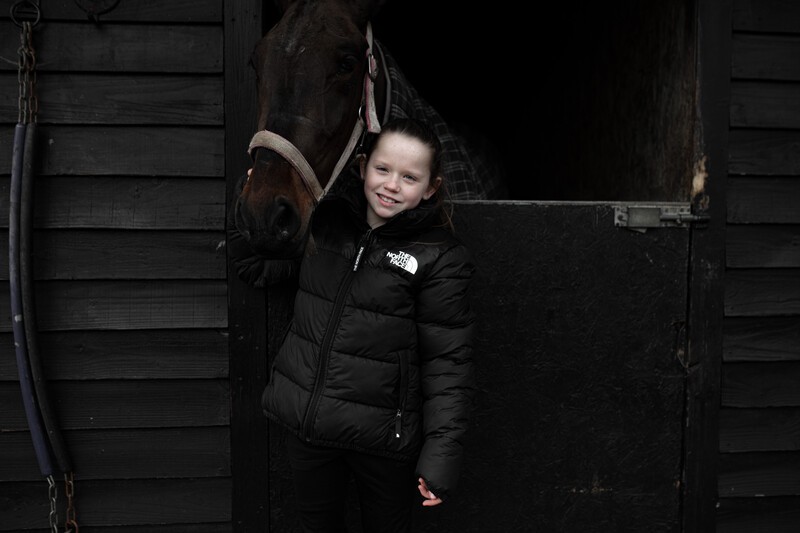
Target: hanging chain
{"x": 52, "y": 493}
{"x": 26, "y": 76}
{"x": 71, "y": 524}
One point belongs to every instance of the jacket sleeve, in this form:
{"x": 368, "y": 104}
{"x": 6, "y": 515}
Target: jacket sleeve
{"x": 445, "y": 324}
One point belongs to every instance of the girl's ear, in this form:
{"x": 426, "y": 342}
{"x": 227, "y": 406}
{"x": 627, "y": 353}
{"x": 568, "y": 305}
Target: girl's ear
{"x": 432, "y": 188}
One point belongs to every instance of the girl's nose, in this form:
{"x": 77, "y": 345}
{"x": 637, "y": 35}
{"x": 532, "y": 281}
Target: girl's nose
{"x": 393, "y": 183}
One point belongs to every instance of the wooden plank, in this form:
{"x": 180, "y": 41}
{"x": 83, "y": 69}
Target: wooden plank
{"x": 127, "y": 454}
{"x": 85, "y": 47}
{"x": 114, "y": 254}
{"x": 756, "y": 104}
{"x": 120, "y": 99}
{"x": 766, "y": 57}
{"x": 762, "y": 245}
{"x": 711, "y": 22}
{"x": 213, "y": 527}
{"x": 106, "y": 150}
{"x": 762, "y": 292}
{"x": 766, "y": 16}
{"x": 764, "y": 153}
{"x": 761, "y": 200}
{"x": 147, "y": 354}
{"x": 142, "y": 10}
{"x": 108, "y": 404}
{"x": 125, "y": 203}
{"x": 750, "y": 385}
{"x": 247, "y": 313}
{"x": 760, "y": 474}
{"x": 75, "y": 305}
{"x": 106, "y": 503}
{"x": 758, "y": 515}
{"x": 759, "y": 430}
{"x": 761, "y": 339}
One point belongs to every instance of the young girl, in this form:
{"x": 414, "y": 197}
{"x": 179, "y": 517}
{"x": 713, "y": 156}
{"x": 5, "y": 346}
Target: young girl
{"x": 374, "y": 379}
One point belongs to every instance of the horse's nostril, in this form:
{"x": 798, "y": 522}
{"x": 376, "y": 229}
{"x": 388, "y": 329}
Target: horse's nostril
{"x": 283, "y": 220}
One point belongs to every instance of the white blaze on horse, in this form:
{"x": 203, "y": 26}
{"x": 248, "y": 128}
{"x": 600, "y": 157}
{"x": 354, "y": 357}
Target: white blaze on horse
{"x": 322, "y": 81}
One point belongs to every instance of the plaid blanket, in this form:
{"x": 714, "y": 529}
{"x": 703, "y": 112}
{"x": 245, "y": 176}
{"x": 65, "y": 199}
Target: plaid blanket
{"x": 469, "y": 174}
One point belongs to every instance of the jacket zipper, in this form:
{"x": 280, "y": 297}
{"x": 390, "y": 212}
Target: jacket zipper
{"x": 398, "y": 419}
{"x": 327, "y": 340}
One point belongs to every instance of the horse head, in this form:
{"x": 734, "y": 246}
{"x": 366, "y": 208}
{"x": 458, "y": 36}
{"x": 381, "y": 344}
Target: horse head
{"x": 310, "y": 70}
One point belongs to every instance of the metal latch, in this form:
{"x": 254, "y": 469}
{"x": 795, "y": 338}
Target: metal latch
{"x": 641, "y": 217}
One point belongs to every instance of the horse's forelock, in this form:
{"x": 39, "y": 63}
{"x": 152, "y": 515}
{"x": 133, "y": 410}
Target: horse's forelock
{"x": 298, "y": 13}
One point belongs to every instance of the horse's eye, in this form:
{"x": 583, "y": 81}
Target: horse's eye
{"x": 347, "y": 64}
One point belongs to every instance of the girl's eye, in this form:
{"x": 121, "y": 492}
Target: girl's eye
{"x": 409, "y": 177}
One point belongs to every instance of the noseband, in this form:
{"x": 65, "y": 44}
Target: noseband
{"x": 280, "y": 145}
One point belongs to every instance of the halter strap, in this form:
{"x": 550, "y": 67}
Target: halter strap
{"x": 273, "y": 141}
{"x": 281, "y": 145}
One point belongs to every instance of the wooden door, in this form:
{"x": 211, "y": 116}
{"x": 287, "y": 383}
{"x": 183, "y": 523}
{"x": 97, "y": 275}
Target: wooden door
{"x": 581, "y": 407}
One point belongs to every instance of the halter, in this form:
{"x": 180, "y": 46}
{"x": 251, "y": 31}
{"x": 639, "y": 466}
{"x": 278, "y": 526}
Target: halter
{"x": 277, "y": 143}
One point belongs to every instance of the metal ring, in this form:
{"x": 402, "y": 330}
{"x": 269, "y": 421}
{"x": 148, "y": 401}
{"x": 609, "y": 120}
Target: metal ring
{"x": 25, "y": 16}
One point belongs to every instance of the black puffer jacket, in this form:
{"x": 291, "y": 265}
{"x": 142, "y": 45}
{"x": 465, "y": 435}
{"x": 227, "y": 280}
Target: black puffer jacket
{"x": 378, "y": 357}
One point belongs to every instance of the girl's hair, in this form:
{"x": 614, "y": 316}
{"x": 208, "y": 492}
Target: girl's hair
{"x": 418, "y": 130}
{"x": 426, "y": 135}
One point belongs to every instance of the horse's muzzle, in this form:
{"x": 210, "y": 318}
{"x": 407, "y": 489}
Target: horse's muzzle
{"x": 272, "y": 232}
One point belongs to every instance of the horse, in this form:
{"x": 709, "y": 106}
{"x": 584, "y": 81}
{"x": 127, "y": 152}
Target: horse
{"x": 323, "y": 82}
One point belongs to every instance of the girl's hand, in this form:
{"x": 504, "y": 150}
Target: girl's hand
{"x": 430, "y": 498}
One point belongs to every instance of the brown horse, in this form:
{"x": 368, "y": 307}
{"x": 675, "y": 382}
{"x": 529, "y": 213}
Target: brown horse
{"x": 322, "y": 81}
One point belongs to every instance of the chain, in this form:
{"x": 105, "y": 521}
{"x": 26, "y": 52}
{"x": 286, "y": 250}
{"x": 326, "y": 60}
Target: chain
{"x": 52, "y": 492}
{"x": 70, "y": 524}
{"x": 26, "y": 76}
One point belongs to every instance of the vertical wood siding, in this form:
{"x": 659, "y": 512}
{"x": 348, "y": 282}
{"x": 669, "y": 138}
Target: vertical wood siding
{"x": 760, "y": 404}
{"x": 129, "y": 263}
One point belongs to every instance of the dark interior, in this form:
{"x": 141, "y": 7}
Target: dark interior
{"x": 593, "y": 102}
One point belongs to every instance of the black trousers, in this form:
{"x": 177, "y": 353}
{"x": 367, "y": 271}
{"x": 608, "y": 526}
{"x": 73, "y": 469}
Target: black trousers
{"x": 386, "y": 488}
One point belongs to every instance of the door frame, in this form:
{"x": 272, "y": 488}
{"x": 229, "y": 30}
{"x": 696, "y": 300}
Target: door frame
{"x": 706, "y": 268}
{"x": 247, "y": 314}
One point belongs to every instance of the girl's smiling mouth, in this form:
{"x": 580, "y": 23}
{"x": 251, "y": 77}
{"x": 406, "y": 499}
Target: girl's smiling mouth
{"x": 386, "y": 199}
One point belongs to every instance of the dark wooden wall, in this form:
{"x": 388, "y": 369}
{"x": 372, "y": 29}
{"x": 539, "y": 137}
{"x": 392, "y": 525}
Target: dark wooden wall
{"x": 129, "y": 266}
{"x": 759, "y": 479}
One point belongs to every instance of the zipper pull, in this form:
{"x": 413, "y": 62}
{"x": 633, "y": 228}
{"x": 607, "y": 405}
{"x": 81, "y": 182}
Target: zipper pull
{"x": 397, "y": 423}
{"x": 362, "y": 245}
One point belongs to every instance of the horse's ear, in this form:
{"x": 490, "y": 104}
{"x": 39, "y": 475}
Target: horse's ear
{"x": 367, "y": 9}
{"x": 377, "y": 5}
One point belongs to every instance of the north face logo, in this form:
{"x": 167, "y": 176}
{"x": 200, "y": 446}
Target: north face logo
{"x": 405, "y": 261}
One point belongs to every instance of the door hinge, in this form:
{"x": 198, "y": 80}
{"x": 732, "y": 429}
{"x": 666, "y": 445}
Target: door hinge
{"x": 642, "y": 217}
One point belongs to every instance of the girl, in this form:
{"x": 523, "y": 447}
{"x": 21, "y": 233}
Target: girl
{"x": 375, "y": 377}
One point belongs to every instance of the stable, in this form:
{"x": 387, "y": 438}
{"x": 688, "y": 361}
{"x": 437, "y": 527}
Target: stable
{"x": 639, "y": 289}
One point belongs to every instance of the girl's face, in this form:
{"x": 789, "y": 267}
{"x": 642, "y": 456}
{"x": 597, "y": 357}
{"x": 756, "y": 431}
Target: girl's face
{"x": 397, "y": 176}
